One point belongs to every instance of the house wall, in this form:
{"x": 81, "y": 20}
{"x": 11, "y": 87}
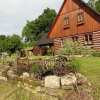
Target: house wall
{"x": 91, "y": 23}
{"x": 71, "y": 9}
{"x": 58, "y": 42}
{"x": 96, "y": 40}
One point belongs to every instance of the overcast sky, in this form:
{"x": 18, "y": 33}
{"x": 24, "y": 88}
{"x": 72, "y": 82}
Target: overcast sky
{"x": 15, "y": 13}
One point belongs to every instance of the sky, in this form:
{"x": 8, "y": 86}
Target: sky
{"x": 15, "y": 13}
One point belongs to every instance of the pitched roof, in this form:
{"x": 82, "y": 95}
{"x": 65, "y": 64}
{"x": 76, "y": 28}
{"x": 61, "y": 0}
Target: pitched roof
{"x": 85, "y": 4}
{"x": 44, "y": 40}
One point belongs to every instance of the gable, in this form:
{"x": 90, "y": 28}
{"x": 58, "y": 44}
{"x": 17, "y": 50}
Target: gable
{"x": 70, "y": 8}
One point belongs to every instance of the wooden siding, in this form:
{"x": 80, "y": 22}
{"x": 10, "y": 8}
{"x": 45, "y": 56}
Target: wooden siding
{"x": 71, "y": 8}
{"x": 96, "y": 40}
{"x": 81, "y": 38}
{"x": 57, "y": 45}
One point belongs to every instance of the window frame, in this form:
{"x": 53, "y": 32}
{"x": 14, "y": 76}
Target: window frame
{"x": 66, "y": 22}
{"x": 88, "y": 38}
{"x": 75, "y": 38}
{"x": 80, "y": 18}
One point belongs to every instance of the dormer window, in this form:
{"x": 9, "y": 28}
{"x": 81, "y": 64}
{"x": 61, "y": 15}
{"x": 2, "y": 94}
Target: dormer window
{"x": 80, "y": 18}
{"x": 66, "y": 22}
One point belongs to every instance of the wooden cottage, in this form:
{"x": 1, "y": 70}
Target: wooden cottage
{"x": 78, "y": 22}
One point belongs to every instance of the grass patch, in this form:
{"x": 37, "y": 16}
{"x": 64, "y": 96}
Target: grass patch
{"x": 90, "y": 67}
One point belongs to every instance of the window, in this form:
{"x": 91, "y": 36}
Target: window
{"x": 88, "y": 39}
{"x": 80, "y": 18}
{"x": 66, "y": 22}
{"x": 75, "y": 38}
{"x": 61, "y": 42}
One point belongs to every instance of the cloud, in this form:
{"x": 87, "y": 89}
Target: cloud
{"x": 14, "y": 13}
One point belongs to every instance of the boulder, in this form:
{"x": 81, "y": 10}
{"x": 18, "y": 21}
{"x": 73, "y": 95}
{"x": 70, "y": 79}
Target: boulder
{"x": 81, "y": 79}
{"x": 25, "y": 75}
{"x": 3, "y": 78}
{"x": 68, "y": 80}
{"x": 52, "y": 82}
{"x": 11, "y": 74}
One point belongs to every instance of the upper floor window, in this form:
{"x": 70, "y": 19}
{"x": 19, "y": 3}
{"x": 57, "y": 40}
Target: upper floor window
{"x": 88, "y": 39}
{"x": 66, "y": 22}
{"x": 80, "y": 18}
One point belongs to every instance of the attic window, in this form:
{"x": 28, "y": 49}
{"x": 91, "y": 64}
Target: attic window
{"x": 66, "y": 22}
{"x": 80, "y": 18}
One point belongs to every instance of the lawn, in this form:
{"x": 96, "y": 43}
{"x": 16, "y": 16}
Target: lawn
{"x": 90, "y": 67}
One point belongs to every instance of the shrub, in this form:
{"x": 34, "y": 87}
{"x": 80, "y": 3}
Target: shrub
{"x": 75, "y": 65}
{"x": 35, "y": 68}
{"x": 71, "y": 48}
{"x": 96, "y": 53}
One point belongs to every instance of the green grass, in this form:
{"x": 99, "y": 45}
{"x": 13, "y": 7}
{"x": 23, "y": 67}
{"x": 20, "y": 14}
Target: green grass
{"x": 90, "y": 67}
{"x": 6, "y": 88}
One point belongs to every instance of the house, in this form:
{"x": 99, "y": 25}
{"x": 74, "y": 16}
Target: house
{"x": 78, "y": 22}
{"x": 43, "y": 46}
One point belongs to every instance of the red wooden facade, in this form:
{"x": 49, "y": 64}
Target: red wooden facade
{"x": 76, "y": 21}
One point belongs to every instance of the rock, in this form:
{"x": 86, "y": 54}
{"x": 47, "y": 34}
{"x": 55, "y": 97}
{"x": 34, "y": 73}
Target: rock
{"x": 38, "y": 89}
{"x": 52, "y": 82}
{"x": 81, "y": 79}
{"x": 3, "y": 78}
{"x": 11, "y": 74}
{"x": 25, "y": 75}
{"x": 68, "y": 80}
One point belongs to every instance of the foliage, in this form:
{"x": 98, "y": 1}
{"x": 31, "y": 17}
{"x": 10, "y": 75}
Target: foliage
{"x": 75, "y": 65}
{"x": 2, "y": 43}
{"x": 38, "y": 71}
{"x": 71, "y": 48}
{"x": 10, "y": 44}
{"x": 98, "y": 5}
{"x": 59, "y": 66}
{"x": 96, "y": 53}
{"x": 95, "y": 4}
{"x": 35, "y": 68}
{"x": 91, "y": 3}
{"x": 33, "y": 30}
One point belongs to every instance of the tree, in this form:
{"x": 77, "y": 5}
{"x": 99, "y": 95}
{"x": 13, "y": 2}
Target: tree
{"x": 97, "y": 4}
{"x": 2, "y": 43}
{"x": 14, "y": 44}
{"x": 92, "y": 3}
{"x": 33, "y": 30}
{"x": 10, "y": 44}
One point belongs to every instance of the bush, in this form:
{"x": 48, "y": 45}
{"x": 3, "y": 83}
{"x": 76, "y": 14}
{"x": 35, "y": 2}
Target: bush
{"x": 36, "y": 68}
{"x": 96, "y": 54}
{"x": 61, "y": 67}
{"x": 71, "y": 48}
{"x": 75, "y": 65}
